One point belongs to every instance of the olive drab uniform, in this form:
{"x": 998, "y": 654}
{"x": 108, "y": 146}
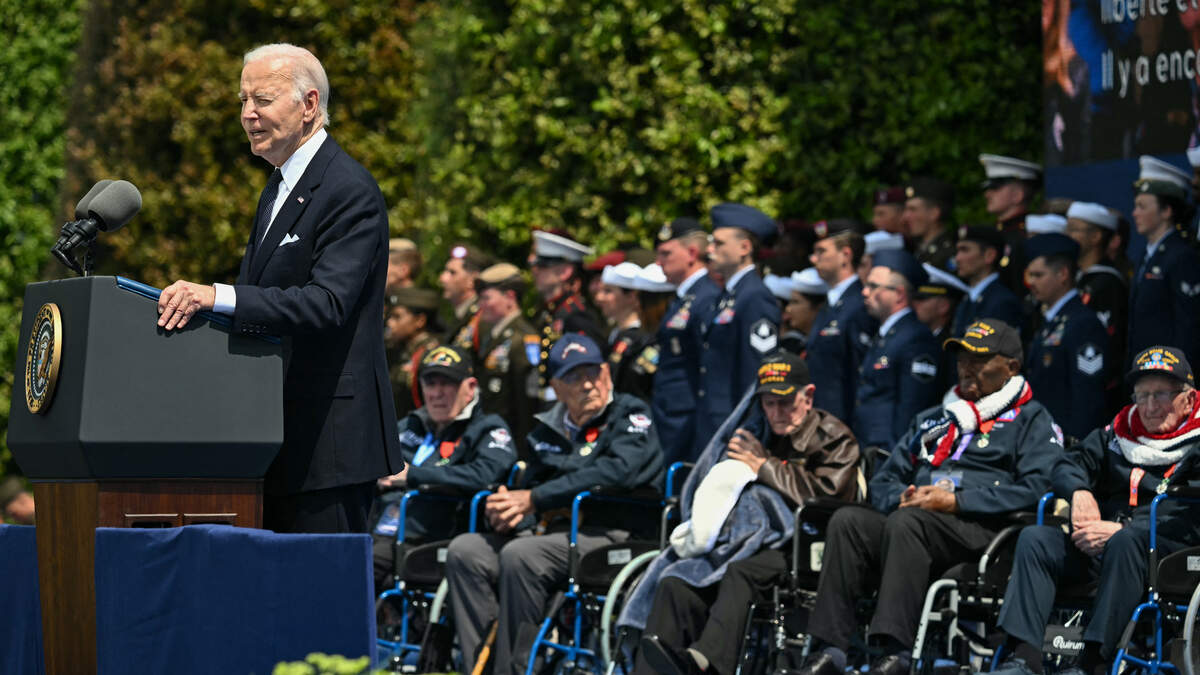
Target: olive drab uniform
{"x": 465, "y": 332}
{"x": 402, "y": 371}
{"x": 509, "y": 355}
{"x": 939, "y": 252}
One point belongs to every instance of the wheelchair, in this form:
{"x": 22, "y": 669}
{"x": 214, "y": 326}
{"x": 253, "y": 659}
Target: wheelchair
{"x": 577, "y": 634}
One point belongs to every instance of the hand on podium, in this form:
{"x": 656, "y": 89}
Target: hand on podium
{"x": 181, "y": 300}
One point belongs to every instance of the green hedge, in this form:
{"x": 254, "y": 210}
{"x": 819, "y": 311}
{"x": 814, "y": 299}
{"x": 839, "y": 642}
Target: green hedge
{"x": 35, "y": 67}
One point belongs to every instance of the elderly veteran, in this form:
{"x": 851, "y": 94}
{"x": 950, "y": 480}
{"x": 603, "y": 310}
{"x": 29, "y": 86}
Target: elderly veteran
{"x": 591, "y": 437}
{"x": 450, "y": 441}
{"x": 938, "y": 500}
{"x": 696, "y": 619}
{"x": 1110, "y": 478}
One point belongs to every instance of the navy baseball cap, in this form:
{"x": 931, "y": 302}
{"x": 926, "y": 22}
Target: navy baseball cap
{"x": 571, "y": 351}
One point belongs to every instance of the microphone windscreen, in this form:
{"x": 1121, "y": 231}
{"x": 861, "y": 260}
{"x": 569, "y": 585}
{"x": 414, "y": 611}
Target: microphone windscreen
{"x": 116, "y": 205}
{"x": 81, "y": 209}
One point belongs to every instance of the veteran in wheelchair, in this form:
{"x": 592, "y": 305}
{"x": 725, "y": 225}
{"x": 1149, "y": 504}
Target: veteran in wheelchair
{"x": 590, "y": 438}
{"x": 947, "y": 487}
{"x": 695, "y": 597}
{"x": 1110, "y": 478}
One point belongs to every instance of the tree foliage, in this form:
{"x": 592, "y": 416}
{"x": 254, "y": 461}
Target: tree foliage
{"x": 35, "y": 66}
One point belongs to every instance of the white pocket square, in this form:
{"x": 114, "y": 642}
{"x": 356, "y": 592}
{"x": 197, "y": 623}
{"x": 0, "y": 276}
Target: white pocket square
{"x": 289, "y": 239}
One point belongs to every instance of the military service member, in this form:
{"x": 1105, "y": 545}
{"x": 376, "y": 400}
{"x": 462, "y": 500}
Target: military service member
{"x": 898, "y": 375}
{"x": 404, "y": 263}
{"x": 744, "y": 324}
{"x": 1102, "y": 287}
{"x": 458, "y": 288}
{"x": 874, "y": 242}
{"x": 928, "y": 215}
{"x": 977, "y": 257}
{"x": 1164, "y": 300}
{"x": 887, "y": 211}
{"x": 1009, "y": 190}
{"x": 842, "y": 330}
{"x": 935, "y": 302}
{"x": 682, "y": 246}
{"x": 800, "y": 313}
{"x": 510, "y": 350}
{"x": 1065, "y": 360}
{"x": 410, "y": 331}
{"x": 620, "y": 303}
{"x": 557, "y": 266}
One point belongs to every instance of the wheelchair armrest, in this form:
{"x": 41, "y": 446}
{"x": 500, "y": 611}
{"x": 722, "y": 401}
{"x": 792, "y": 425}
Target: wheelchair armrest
{"x": 432, "y": 490}
{"x": 993, "y": 548}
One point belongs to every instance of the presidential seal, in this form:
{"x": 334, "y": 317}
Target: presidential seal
{"x": 43, "y": 358}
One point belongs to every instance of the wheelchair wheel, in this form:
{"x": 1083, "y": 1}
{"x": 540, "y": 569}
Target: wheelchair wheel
{"x": 630, "y": 573}
{"x": 1191, "y": 636}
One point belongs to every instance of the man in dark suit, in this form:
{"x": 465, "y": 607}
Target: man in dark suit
{"x": 313, "y": 272}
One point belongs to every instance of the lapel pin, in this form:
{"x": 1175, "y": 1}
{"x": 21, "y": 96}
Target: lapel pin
{"x": 300, "y": 199}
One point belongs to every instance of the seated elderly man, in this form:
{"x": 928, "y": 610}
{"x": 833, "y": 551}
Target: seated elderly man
{"x": 698, "y": 610}
{"x": 450, "y": 442}
{"x": 591, "y": 437}
{"x": 1110, "y": 477}
{"x": 938, "y": 500}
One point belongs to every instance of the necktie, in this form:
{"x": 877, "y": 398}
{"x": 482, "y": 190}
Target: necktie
{"x": 264, "y": 219}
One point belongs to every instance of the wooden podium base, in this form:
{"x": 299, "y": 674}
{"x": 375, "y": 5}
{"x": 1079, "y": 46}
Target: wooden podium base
{"x": 68, "y": 512}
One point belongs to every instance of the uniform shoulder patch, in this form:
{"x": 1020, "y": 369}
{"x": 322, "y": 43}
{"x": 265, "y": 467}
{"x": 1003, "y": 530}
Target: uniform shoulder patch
{"x": 763, "y": 337}
{"x": 638, "y": 423}
{"x": 500, "y": 438}
{"x": 1089, "y": 360}
{"x": 533, "y": 350}
{"x": 924, "y": 367}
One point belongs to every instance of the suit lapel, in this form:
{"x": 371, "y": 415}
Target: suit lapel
{"x": 297, "y": 201}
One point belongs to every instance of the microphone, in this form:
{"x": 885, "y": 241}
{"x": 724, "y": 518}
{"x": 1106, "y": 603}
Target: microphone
{"x": 108, "y": 206}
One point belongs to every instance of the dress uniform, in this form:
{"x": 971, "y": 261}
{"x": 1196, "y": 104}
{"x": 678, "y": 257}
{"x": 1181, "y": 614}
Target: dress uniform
{"x": 1065, "y": 362}
{"x": 1105, "y": 291}
{"x": 470, "y": 453}
{"x": 986, "y": 298}
{"x": 742, "y": 327}
{"x": 942, "y": 284}
{"x": 511, "y": 577}
{"x": 464, "y": 329}
{"x": 679, "y": 345}
{"x": 567, "y": 313}
{"x": 1124, "y": 470}
{"x": 632, "y": 355}
{"x": 999, "y": 170}
{"x": 995, "y": 456}
{"x": 898, "y": 375}
{"x": 1164, "y": 299}
{"x": 938, "y": 251}
{"x": 790, "y": 339}
{"x": 840, "y": 336}
{"x": 508, "y": 357}
{"x": 403, "y": 358}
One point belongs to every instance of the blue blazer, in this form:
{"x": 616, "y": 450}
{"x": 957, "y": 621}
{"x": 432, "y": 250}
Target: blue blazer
{"x": 323, "y": 292}
{"x": 840, "y": 336}
{"x": 678, "y": 376}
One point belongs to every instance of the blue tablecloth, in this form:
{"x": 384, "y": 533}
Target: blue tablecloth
{"x": 219, "y": 599}
{"x": 21, "y": 627}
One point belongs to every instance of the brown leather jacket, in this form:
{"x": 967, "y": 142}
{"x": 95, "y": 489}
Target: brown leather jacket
{"x": 820, "y": 459}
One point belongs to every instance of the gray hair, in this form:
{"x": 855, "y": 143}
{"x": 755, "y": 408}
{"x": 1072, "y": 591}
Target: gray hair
{"x": 307, "y": 72}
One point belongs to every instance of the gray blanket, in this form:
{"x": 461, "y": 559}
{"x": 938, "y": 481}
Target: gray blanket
{"x": 761, "y": 519}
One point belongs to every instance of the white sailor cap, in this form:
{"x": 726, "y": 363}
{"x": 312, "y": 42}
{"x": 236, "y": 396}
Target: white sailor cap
{"x": 1096, "y": 214}
{"x": 882, "y": 241}
{"x": 652, "y": 279}
{"x": 621, "y": 275}
{"x": 999, "y": 168}
{"x": 808, "y": 282}
{"x": 552, "y": 248}
{"x": 1194, "y": 156}
{"x": 780, "y": 287}
{"x": 940, "y": 282}
{"x": 1169, "y": 178}
{"x": 1045, "y": 223}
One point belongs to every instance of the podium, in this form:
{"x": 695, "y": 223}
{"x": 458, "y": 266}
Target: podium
{"x": 119, "y": 423}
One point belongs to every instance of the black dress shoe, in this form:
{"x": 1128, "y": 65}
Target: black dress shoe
{"x": 892, "y": 664}
{"x": 818, "y": 663}
{"x": 665, "y": 660}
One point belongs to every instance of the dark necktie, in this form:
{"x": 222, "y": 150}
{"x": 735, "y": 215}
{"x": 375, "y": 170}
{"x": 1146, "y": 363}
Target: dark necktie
{"x": 264, "y": 219}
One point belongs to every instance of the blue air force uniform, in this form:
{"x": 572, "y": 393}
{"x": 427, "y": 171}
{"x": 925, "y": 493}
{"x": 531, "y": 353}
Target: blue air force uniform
{"x": 1065, "y": 366}
{"x": 1164, "y": 300}
{"x": 995, "y": 301}
{"x": 897, "y": 379}
{"x": 741, "y": 328}
{"x": 840, "y": 336}
{"x": 678, "y": 377}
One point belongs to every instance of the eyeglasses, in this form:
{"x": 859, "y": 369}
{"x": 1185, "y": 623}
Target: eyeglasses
{"x": 1160, "y": 397}
{"x": 872, "y": 286}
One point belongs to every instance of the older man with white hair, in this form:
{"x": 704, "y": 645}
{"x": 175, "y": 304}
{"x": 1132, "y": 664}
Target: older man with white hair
{"x": 313, "y": 272}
